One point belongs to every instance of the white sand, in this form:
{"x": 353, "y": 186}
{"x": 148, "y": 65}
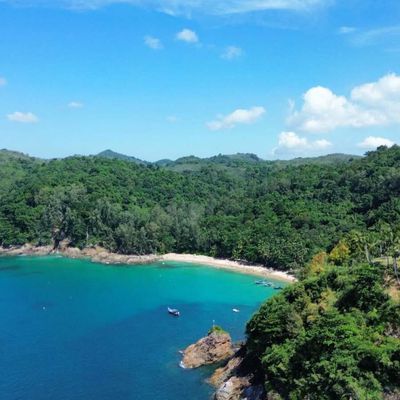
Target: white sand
{"x": 229, "y": 265}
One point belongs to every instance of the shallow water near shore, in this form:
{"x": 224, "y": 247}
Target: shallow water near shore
{"x": 72, "y": 329}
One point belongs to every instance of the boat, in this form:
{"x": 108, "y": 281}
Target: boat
{"x": 235, "y": 310}
{"x": 263, "y": 283}
{"x": 174, "y": 312}
{"x": 267, "y": 284}
{"x": 278, "y": 287}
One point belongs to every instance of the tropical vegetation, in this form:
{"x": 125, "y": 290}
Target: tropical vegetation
{"x": 273, "y": 213}
{"x": 333, "y": 335}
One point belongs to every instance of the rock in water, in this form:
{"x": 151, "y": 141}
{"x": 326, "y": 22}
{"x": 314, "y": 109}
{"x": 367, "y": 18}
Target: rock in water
{"x": 215, "y": 347}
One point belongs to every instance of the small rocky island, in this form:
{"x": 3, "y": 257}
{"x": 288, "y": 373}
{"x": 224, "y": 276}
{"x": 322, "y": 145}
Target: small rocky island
{"x": 215, "y": 347}
{"x": 235, "y": 378}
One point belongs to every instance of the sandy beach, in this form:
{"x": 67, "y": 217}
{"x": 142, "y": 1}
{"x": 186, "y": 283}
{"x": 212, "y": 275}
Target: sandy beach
{"x": 236, "y": 266}
{"x": 101, "y": 255}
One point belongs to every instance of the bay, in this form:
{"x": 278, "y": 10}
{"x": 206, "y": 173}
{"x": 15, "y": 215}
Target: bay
{"x": 73, "y": 329}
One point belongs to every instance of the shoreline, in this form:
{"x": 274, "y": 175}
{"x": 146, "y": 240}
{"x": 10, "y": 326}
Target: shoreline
{"x": 230, "y": 265}
{"x": 101, "y": 255}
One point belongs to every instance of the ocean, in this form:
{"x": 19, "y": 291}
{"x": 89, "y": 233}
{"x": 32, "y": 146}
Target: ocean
{"x": 77, "y": 330}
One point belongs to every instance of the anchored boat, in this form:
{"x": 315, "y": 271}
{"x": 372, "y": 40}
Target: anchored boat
{"x": 174, "y": 312}
{"x": 263, "y": 283}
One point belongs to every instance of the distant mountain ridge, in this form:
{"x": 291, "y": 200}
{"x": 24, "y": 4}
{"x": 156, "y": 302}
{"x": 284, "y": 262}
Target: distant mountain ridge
{"x": 190, "y": 163}
{"x": 333, "y": 158}
{"x": 13, "y": 155}
{"x": 118, "y": 156}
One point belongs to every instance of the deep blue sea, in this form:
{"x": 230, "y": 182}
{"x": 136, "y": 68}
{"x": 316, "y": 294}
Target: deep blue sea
{"x": 76, "y": 330}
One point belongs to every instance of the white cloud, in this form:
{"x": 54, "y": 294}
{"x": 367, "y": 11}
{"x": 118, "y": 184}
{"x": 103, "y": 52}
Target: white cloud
{"x": 373, "y": 142}
{"x": 3, "y": 81}
{"x": 345, "y": 30}
{"x": 75, "y": 104}
{"x": 371, "y": 104}
{"x": 321, "y": 144}
{"x": 376, "y": 36}
{"x": 232, "y": 52}
{"x": 292, "y": 143}
{"x": 26, "y": 118}
{"x": 153, "y": 42}
{"x": 240, "y": 116}
{"x": 290, "y": 140}
{"x": 380, "y": 93}
{"x": 188, "y": 36}
{"x": 188, "y": 7}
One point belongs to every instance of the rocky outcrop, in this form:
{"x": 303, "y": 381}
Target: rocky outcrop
{"x": 96, "y": 253}
{"x": 101, "y": 255}
{"x": 214, "y": 348}
{"x": 223, "y": 374}
{"x": 239, "y": 388}
{"x": 238, "y": 379}
{"x": 26, "y": 249}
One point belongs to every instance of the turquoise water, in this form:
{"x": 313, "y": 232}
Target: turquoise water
{"x": 72, "y": 329}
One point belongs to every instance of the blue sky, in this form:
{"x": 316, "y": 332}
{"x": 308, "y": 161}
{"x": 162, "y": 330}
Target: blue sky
{"x": 167, "y": 78}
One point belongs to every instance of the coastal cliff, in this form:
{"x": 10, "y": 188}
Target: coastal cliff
{"x": 238, "y": 378}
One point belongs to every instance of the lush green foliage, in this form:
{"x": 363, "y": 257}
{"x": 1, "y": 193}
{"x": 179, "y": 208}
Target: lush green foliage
{"x": 13, "y": 167}
{"x": 334, "y": 335}
{"x": 241, "y": 207}
{"x": 216, "y": 329}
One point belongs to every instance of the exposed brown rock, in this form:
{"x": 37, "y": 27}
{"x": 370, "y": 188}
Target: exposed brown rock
{"x": 72, "y": 252}
{"x": 239, "y": 388}
{"x": 63, "y": 245}
{"x": 232, "y": 389}
{"x": 224, "y": 373}
{"x": 26, "y": 249}
{"x": 96, "y": 254}
{"x": 239, "y": 379}
{"x": 215, "y": 347}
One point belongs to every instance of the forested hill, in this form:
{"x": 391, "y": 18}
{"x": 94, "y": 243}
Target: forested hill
{"x": 333, "y": 335}
{"x": 13, "y": 167}
{"x": 118, "y": 156}
{"x": 274, "y": 214}
{"x": 232, "y": 162}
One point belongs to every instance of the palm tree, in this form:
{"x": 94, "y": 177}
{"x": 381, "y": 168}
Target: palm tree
{"x": 395, "y": 250}
{"x": 360, "y": 243}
